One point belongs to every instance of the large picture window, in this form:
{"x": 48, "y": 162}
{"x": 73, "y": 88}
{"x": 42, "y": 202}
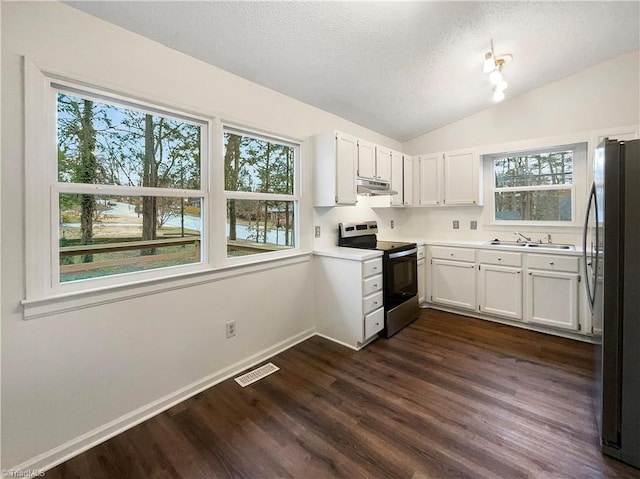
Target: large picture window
{"x": 128, "y": 189}
{"x": 535, "y": 186}
{"x": 261, "y": 193}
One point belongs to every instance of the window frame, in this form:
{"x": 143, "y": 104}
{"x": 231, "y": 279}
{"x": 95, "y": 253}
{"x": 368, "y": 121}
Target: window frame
{"x": 295, "y": 197}
{"x": 42, "y": 186}
{"x": 579, "y": 150}
{"x": 41, "y": 214}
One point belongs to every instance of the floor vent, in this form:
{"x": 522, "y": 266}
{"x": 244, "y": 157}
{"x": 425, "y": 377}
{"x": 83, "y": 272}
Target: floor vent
{"x": 256, "y": 374}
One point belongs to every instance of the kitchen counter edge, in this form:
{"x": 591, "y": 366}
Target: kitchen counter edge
{"x": 342, "y": 252}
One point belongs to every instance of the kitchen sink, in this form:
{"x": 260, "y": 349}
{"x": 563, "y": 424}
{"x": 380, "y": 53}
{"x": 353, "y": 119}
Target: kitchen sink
{"x": 518, "y": 244}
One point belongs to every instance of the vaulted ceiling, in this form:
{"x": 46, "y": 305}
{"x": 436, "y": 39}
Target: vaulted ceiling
{"x": 398, "y": 68}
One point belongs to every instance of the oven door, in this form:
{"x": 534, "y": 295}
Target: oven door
{"x": 401, "y": 277}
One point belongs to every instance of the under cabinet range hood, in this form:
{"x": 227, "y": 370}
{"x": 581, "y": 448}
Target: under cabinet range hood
{"x": 374, "y": 187}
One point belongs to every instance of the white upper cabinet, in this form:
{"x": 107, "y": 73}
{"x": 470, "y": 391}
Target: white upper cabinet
{"x": 335, "y": 163}
{"x": 407, "y": 172}
{"x": 429, "y": 190}
{"x": 451, "y": 178}
{"x": 366, "y": 160}
{"x": 383, "y": 163}
{"x": 397, "y": 178}
{"x": 461, "y": 178}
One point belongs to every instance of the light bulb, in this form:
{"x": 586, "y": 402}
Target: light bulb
{"x": 498, "y": 95}
{"x": 502, "y": 86}
{"x": 495, "y": 77}
{"x": 489, "y": 63}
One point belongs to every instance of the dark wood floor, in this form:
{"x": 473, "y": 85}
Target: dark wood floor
{"x": 446, "y": 397}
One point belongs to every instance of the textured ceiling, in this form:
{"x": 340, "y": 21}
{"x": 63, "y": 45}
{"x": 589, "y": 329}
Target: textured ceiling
{"x": 398, "y": 68}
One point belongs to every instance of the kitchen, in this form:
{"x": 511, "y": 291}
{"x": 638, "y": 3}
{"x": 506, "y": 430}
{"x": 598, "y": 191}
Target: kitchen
{"x": 85, "y": 373}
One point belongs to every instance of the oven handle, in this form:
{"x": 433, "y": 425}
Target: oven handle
{"x": 403, "y": 253}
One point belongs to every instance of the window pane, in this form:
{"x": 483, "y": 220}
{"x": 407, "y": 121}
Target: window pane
{"x": 257, "y": 165}
{"x": 541, "y": 205}
{"x": 106, "y": 235}
{"x": 255, "y": 226}
{"x": 99, "y": 143}
{"x": 534, "y": 170}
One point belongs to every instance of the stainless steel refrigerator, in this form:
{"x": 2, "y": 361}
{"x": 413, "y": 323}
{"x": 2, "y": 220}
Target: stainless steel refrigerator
{"x": 612, "y": 264}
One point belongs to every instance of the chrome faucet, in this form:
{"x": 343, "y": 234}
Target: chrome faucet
{"x": 519, "y": 235}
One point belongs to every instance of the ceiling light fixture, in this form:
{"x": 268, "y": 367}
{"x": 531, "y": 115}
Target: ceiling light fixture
{"x": 493, "y": 66}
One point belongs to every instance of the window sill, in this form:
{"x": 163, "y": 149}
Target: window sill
{"x": 63, "y": 303}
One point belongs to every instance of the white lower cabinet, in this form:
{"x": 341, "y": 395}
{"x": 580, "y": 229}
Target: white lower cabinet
{"x": 422, "y": 275}
{"x": 540, "y": 289}
{"x": 551, "y": 291}
{"x": 500, "y": 284}
{"x": 453, "y": 277}
{"x": 350, "y": 305}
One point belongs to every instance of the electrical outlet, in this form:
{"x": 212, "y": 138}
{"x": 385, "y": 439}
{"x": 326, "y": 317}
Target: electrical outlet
{"x": 392, "y": 224}
{"x": 456, "y": 224}
{"x": 231, "y": 329}
{"x": 317, "y": 232}
{"x": 473, "y": 225}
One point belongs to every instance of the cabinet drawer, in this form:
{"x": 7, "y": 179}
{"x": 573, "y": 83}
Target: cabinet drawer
{"x": 457, "y": 254}
{"x": 371, "y": 302}
{"x": 554, "y": 263}
{"x": 421, "y": 252}
{"x": 373, "y": 323}
{"x": 371, "y": 285}
{"x": 500, "y": 257}
{"x": 371, "y": 267}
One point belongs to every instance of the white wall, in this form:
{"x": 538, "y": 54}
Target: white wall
{"x": 67, "y": 374}
{"x": 605, "y": 96}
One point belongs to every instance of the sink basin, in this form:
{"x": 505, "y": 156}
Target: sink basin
{"x": 505, "y": 243}
{"x": 566, "y": 247}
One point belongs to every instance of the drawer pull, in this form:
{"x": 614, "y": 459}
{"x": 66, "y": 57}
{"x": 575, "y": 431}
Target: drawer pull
{"x": 375, "y": 267}
{"x": 375, "y": 302}
{"x": 529, "y": 274}
{"x": 375, "y": 285}
{"x": 499, "y": 259}
{"x": 452, "y": 254}
{"x": 551, "y": 263}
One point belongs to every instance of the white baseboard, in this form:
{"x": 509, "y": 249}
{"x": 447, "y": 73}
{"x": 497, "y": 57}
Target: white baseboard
{"x": 66, "y": 451}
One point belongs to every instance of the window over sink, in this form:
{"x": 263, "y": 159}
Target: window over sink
{"x": 537, "y": 186}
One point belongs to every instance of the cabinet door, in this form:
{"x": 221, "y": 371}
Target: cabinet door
{"x": 422, "y": 271}
{"x": 453, "y": 283}
{"x": 429, "y": 184}
{"x": 407, "y": 172}
{"x": 552, "y": 299}
{"x": 383, "y": 163}
{"x": 397, "y": 179}
{"x": 366, "y": 160}
{"x": 500, "y": 290}
{"x": 346, "y": 157}
{"x": 461, "y": 181}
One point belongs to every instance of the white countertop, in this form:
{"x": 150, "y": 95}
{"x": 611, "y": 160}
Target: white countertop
{"x": 355, "y": 254}
{"x": 522, "y": 249}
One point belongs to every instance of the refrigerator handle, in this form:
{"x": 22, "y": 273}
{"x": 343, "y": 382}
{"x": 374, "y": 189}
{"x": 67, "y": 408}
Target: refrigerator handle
{"x": 594, "y": 264}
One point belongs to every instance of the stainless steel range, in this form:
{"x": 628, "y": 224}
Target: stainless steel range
{"x": 400, "y": 272}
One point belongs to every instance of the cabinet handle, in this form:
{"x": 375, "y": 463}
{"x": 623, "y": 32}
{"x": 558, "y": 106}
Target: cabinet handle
{"x": 518, "y": 271}
{"x": 551, "y": 263}
{"x": 452, "y": 254}
{"x": 375, "y": 302}
{"x": 375, "y": 268}
{"x": 375, "y": 285}
{"x": 377, "y": 324}
{"x": 499, "y": 259}
{"x": 529, "y": 274}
